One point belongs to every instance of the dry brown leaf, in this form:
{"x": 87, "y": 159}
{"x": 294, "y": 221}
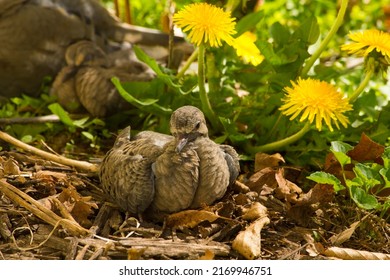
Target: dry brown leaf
{"x": 10, "y": 167}
{"x": 301, "y": 214}
{"x": 135, "y": 253}
{"x": 208, "y": 255}
{"x": 312, "y": 250}
{"x": 50, "y": 176}
{"x": 286, "y": 189}
{"x": 190, "y": 218}
{"x": 240, "y": 187}
{"x": 263, "y": 160}
{"x": 241, "y": 199}
{"x": 5, "y": 226}
{"x": 331, "y": 163}
{"x": 320, "y": 193}
{"x": 81, "y": 211}
{"x": 332, "y": 166}
{"x": 351, "y": 254}
{"x": 80, "y": 207}
{"x": 366, "y": 149}
{"x": 345, "y": 235}
{"x": 40, "y": 211}
{"x": 248, "y": 241}
{"x": 49, "y": 180}
{"x": 261, "y": 179}
{"x": 306, "y": 204}
{"x": 256, "y": 210}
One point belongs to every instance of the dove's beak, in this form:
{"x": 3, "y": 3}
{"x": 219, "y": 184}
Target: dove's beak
{"x": 182, "y": 142}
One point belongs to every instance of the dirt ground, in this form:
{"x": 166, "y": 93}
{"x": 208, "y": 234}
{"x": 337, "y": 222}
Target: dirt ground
{"x": 54, "y": 211}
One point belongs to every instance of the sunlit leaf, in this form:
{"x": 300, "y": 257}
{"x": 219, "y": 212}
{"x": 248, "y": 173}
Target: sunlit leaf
{"x": 326, "y": 178}
{"x": 340, "y": 149}
{"x": 57, "y": 109}
{"x": 386, "y": 157}
{"x": 363, "y": 199}
{"x": 369, "y": 176}
{"x": 81, "y": 122}
{"x": 139, "y": 103}
{"x": 385, "y": 173}
{"x": 88, "y": 135}
{"x": 141, "y": 55}
{"x": 339, "y": 146}
{"x": 27, "y": 139}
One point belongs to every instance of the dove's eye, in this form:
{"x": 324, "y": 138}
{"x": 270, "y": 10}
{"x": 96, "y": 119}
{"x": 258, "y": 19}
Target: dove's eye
{"x": 197, "y": 125}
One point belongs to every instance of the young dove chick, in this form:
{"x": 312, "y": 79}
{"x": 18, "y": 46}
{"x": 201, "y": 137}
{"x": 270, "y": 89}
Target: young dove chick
{"x": 156, "y": 173}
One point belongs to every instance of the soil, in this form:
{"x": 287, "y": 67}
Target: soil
{"x": 53, "y": 211}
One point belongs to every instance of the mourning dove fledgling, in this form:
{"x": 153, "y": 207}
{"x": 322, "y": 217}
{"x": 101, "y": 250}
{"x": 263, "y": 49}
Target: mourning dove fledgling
{"x": 158, "y": 173}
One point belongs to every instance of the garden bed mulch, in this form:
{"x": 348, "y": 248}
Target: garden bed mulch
{"x": 57, "y": 211}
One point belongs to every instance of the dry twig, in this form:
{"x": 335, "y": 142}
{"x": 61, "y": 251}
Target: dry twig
{"x": 80, "y": 165}
{"x": 40, "y": 211}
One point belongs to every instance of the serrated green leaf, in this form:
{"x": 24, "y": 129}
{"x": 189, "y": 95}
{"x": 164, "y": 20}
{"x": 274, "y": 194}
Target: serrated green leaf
{"x": 385, "y": 173}
{"x": 248, "y": 22}
{"x": 339, "y": 146}
{"x": 358, "y": 182}
{"x": 368, "y": 175}
{"x": 326, "y": 178}
{"x": 340, "y": 149}
{"x": 269, "y": 54}
{"x": 280, "y": 33}
{"x": 342, "y": 158}
{"x": 386, "y": 157}
{"x": 363, "y": 199}
{"x": 309, "y": 30}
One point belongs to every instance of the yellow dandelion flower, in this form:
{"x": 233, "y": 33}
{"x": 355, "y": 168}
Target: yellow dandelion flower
{"x": 246, "y": 48}
{"x": 206, "y": 24}
{"x": 317, "y": 100}
{"x": 368, "y": 41}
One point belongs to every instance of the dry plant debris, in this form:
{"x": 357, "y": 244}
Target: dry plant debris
{"x": 54, "y": 211}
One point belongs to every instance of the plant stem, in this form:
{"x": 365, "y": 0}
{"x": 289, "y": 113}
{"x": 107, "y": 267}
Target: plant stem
{"x": 324, "y": 43}
{"x": 206, "y": 106}
{"x": 280, "y": 143}
{"x": 362, "y": 85}
{"x": 187, "y": 65}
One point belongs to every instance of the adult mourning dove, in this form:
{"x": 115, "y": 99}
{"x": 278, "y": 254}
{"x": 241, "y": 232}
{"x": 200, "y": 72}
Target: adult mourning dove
{"x": 32, "y": 44}
{"x": 34, "y": 35}
{"x": 85, "y": 82}
{"x": 156, "y": 173}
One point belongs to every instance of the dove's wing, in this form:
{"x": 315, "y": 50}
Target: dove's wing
{"x": 126, "y": 172}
